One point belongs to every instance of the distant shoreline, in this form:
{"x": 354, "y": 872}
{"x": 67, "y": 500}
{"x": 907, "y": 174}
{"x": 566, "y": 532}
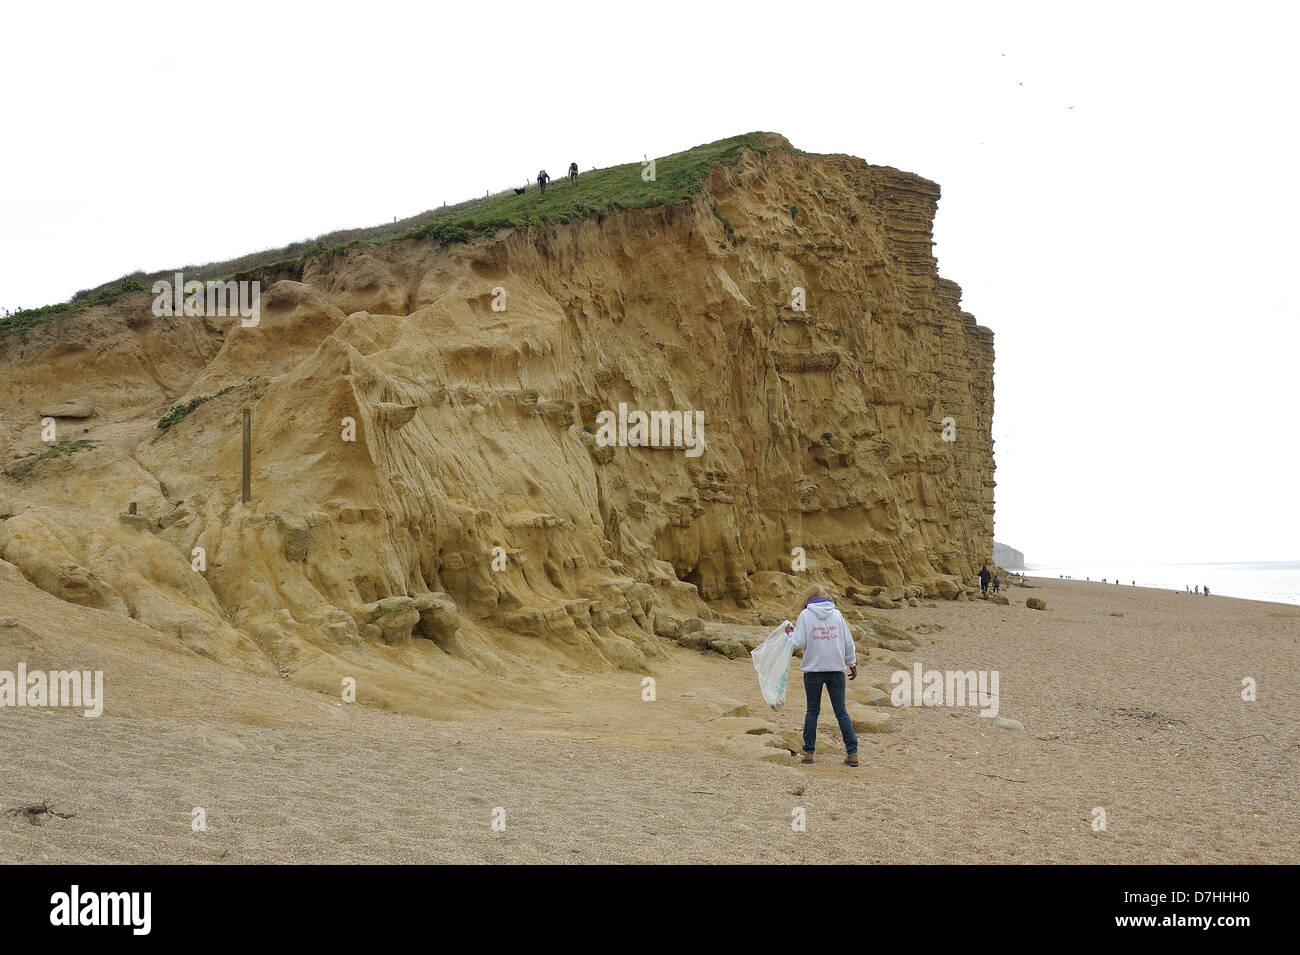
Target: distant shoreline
{"x": 1054, "y": 580}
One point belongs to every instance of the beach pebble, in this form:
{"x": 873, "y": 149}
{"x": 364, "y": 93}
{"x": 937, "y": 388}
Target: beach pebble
{"x": 1003, "y": 722}
{"x": 1036, "y": 603}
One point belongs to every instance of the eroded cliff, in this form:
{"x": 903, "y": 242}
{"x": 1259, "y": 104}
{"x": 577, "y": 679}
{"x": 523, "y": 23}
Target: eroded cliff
{"x": 473, "y": 502}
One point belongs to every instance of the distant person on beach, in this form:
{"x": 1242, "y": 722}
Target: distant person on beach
{"x": 1207, "y": 591}
{"x": 984, "y": 580}
{"x": 997, "y": 583}
{"x": 573, "y": 172}
{"x": 542, "y": 180}
{"x": 1197, "y": 591}
{"x": 823, "y": 635}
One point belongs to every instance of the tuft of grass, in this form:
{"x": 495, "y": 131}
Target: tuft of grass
{"x": 61, "y": 450}
{"x": 178, "y": 413}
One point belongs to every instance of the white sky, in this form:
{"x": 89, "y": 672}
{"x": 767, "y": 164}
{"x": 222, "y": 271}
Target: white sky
{"x": 1134, "y": 254}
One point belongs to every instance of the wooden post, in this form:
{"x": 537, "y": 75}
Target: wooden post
{"x": 248, "y": 454}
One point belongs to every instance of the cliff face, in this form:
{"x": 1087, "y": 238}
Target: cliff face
{"x": 1008, "y": 557}
{"x": 478, "y": 478}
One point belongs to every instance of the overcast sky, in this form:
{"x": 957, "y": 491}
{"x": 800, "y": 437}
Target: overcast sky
{"x": 1120, "y": 198}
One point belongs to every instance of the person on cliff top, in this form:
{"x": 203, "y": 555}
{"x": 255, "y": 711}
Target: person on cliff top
{"x": 542, "y": 180}
{"x": 573, "y": 173}
{"x": 997, "y": 583}
{"x": 984, "y": 580}
{"x": 823, "y": 635}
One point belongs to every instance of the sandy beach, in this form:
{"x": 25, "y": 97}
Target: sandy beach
{"x": 1130, "y": 701}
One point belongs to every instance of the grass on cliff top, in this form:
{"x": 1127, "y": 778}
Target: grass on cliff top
{"x": 597, "y": 191}
{"x": 26, "y": 318}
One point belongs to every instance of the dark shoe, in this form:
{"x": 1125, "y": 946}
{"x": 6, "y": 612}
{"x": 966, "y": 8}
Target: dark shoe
{"x": 851, "y": 759}
{"x": 806, "y": 758}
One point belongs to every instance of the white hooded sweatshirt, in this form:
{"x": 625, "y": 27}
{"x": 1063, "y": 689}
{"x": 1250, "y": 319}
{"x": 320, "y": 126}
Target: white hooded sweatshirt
{"x": 823, "y": 635}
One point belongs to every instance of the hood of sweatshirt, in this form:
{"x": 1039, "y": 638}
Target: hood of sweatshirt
{"x": 822, "y": 607}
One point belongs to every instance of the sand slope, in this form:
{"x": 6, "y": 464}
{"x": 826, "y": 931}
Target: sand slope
{"x": 1139, "y": 714}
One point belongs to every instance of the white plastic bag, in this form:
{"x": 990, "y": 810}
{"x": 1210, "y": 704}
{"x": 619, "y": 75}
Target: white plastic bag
{"x": 772, "y": 661}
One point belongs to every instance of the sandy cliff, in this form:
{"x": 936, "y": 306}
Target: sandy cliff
{"x": 477, "y": 514}
{"x": 1008, "y": 557}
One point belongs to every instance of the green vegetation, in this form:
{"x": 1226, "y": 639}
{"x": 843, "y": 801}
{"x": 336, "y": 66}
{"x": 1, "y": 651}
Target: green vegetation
{"x": 61, "y": 450}
{"x": 108, "y": 294}
{"x": 597, "y": 192}
{"x": 605, "y": 190}
{"x": 24, "y": 319}
{"x": 178, "y": 413}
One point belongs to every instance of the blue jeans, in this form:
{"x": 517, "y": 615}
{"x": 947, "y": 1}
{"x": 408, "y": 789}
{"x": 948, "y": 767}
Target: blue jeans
{"x": 812, "y": 688}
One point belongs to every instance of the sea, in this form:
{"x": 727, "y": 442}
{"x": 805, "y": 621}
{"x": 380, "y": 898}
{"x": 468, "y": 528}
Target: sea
{"x": 1276, "y": 580}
